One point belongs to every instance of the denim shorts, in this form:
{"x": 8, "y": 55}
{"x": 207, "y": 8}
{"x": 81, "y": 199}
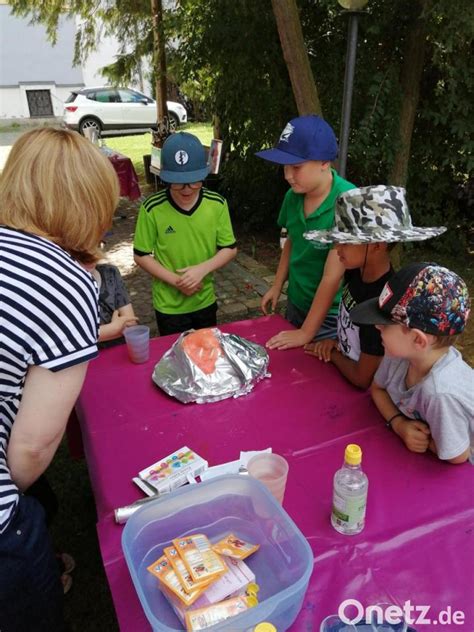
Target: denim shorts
{"x": 31, "y": 595}
{"x": 297, "y": 317}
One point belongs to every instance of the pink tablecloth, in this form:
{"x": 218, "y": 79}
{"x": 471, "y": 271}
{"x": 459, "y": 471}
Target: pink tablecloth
{"x": 418, "y": 542}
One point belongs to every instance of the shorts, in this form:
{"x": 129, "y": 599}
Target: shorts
{"x": 177, "y": 323}
{"x": 296, "y": 317}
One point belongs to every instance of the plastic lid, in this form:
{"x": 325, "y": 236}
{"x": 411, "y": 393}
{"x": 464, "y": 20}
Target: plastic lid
{"x": 252, "y": 589}
{"x": 265, "y": 627}
{"x": 353, "y": 454}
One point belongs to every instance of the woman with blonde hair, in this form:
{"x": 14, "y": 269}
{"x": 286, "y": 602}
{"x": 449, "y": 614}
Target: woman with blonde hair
{"x": 58, "y": 194}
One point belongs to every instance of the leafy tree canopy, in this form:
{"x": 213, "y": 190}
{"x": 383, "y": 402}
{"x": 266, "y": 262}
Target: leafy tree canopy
{"x": 229, "y": 58}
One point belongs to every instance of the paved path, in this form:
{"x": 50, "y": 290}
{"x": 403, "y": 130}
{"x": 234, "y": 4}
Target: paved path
{"x": 239, "y": 286}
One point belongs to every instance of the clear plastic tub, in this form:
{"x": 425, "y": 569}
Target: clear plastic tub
{"x": 237, "y": 504}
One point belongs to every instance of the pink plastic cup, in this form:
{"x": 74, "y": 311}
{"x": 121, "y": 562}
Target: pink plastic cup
{"x": 271, "y": 470}
{"x": 137, "y": 338}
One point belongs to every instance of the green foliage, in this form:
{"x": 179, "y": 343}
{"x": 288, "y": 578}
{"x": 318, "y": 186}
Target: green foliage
{"x": 236, "y": 47}
{"x": 228, "y": 60}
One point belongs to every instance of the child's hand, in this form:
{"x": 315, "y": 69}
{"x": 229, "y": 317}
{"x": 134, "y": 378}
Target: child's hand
{"x": 321, "y": 349}
{"x": 271, "y": 296}
{"x": 191, "y": 278}
{"x": 415, "y": 434}
{"x": 121, "y": 322}
{"x": 115, "y": 328}
{"x": 188, "y": 291}
{"x": 289, "y": 339}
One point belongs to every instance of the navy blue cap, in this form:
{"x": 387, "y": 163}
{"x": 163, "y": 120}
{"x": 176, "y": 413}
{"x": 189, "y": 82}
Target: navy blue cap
{"x": 304, "y": 138}
{"x": 183, "y": 159}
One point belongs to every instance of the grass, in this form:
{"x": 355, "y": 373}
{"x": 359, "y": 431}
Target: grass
{"x": 135, "y": 147}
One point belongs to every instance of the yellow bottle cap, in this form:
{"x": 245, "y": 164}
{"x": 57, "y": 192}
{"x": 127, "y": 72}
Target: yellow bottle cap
{"x": 265, "y": 627}
{"x": 252, "y": 601}
{"x": 252, "y": 589}
{"x": 353, "y": 454}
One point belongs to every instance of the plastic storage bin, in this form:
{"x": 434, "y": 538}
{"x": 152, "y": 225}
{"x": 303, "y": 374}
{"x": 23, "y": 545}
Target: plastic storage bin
{"x": 237, "y": 504}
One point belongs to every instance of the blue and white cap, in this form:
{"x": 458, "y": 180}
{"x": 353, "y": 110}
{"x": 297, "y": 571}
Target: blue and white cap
{"x": 304, "y": 138}
{"x": 183, "y": 159}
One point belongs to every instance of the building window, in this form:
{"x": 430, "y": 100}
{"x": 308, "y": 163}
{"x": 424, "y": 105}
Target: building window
{"x": 39, "y": 103}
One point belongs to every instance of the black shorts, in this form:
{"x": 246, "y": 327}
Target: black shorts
{"x": 177, "y": 323}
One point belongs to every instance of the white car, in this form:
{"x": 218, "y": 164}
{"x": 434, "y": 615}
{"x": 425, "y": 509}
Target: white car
{"x": 116, "y": 108}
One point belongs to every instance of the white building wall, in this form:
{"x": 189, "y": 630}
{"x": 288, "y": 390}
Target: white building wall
{"x": 11, "y": 105}
{"x": 104, "y": 56}
{"x": 14, "y": 103}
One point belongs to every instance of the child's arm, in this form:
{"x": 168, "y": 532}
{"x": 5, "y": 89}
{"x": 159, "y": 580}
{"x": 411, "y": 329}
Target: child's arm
{"x": 415, "y": 434}
{"x": 462, "y": 458}
{"x": 359, "y": 373}
{"x": 191, "y": 276}
{"x": 151, "y": 265}
{"x": 449, "y": 426}
{"x": 327, "y": 290}
{"x": 273, "y": 294}
{"x": 121, "y": 318}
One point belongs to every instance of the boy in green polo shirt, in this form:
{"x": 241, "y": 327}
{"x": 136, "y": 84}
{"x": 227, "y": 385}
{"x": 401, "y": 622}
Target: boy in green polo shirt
{"x": 306, "y": 148}
{"x": 183, "y": 234}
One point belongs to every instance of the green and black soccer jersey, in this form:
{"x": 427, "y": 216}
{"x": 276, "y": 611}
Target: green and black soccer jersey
{"x": 178, "y": 239}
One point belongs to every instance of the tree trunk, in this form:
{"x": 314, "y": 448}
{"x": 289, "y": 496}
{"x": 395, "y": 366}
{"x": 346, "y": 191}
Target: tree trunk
{"x": 296, "y": 57}
{"x": 159, "y": 67}
{"x": 410, "y": 79}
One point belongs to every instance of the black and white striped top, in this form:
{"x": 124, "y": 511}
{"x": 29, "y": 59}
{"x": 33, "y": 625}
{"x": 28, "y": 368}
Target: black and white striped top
{"x": 48, "y": 318}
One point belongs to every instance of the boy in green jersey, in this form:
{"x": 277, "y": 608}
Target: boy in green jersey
{"x": 183, "y": 234}
{"x": 306, "y": 148}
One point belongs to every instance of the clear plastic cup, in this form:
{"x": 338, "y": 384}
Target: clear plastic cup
{"x": 271, "y": 470}
{"x": 334, "y": 624}
{"x": 381, "y": 623}
{"x": 137, "y": 338}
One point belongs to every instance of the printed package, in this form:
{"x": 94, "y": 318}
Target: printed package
{"x": 173, "y": 471}
{"x": 202, "y": 562}
{"x": 232, "y": 584}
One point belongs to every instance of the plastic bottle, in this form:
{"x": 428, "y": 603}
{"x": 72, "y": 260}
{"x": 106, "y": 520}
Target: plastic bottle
{"x": 283, "y": 237}
{"x": 350, "y": 493}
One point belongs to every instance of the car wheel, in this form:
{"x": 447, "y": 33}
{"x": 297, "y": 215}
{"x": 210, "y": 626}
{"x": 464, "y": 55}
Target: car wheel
{"x": 174, "y": 121}
{"x": 90, "y": 123}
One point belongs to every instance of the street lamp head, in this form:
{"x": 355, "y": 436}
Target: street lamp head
{"x": 353, "y": 5}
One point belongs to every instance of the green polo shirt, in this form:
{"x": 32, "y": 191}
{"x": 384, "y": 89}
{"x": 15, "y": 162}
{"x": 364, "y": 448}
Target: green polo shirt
{"x": 178, "y": 239}
{"x": 306, "y": 261}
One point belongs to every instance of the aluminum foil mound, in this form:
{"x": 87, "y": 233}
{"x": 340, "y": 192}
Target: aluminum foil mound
{"x": 206, "y": 365}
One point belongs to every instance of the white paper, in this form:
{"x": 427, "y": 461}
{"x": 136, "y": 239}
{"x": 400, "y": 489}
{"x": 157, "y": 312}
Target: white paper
{"x": 246, "y": 456}
{"x": 232, "y": 467}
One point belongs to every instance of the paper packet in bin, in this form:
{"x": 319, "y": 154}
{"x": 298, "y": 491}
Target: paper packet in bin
{"x": 206, "y": 365}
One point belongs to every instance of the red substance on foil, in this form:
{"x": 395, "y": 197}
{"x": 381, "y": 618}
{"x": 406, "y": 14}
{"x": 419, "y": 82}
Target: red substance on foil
{"x": 203, "y": 348}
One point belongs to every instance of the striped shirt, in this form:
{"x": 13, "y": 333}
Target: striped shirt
{"x": 48, "y": 318}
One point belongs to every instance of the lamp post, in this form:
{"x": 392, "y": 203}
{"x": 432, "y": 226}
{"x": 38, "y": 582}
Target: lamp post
{"x": 353, "y": 9}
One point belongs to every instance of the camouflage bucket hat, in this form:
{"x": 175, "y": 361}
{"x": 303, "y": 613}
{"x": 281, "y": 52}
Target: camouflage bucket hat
{"x": 372, "y": 214}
